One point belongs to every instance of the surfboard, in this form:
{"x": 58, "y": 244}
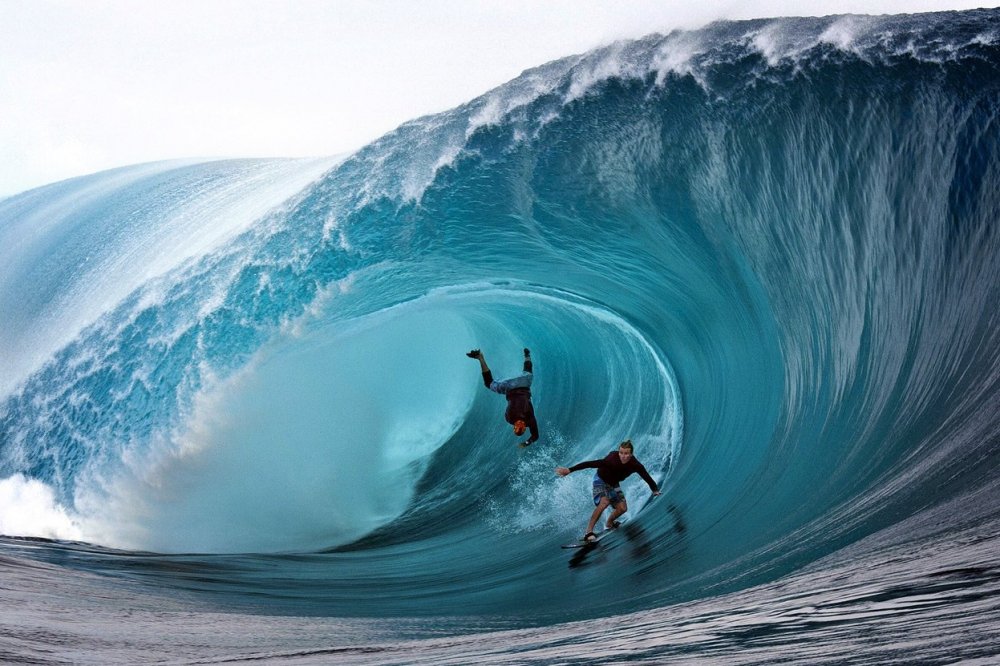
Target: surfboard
{"x": 586, "y": 544}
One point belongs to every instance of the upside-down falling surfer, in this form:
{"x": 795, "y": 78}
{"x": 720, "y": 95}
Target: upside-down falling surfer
{"x": 520, "y": 412}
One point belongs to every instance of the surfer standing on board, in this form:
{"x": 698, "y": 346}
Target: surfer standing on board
{"x": 611, "y": 471}
{"x": 520, "y": 412}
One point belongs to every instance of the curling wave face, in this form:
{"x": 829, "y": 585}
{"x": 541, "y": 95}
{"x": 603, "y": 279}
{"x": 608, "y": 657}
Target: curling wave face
{"x": 763, "y": 251}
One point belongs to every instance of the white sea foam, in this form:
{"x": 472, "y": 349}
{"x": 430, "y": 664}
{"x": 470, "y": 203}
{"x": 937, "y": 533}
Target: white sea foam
{"x": 29, "y": 507}
{"x": 676, "y": 56}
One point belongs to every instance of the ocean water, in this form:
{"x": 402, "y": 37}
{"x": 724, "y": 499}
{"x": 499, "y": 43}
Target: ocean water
{"x": 237, "y": 421}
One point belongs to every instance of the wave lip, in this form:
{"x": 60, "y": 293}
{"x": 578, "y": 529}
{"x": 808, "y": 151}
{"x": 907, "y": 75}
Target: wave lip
{"x": 74, "y": 250}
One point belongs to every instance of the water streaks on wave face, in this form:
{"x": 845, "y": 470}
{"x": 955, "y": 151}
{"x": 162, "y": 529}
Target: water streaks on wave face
{"x": 765, "y": 251}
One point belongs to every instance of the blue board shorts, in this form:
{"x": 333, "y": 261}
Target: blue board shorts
{"x": 602, "y": 489}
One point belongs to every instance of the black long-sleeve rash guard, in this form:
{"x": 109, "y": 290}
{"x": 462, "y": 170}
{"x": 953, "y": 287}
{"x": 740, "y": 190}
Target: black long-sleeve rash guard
{"x": 613, "y": 471}
{"x": 518, "y": 393}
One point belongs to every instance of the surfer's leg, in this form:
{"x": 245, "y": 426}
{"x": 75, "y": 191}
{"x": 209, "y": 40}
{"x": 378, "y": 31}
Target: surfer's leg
{"x": 598, "y": 510}
{"x": 616, "y": 498}
{"x": 485, "y": 369}
{"x": 620, "y": 508}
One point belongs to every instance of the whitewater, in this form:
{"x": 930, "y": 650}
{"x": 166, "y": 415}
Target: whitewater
{"x": 237, "y": 422}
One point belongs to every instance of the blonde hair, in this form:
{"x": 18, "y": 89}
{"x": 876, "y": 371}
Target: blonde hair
{"x": 627, "y": 444}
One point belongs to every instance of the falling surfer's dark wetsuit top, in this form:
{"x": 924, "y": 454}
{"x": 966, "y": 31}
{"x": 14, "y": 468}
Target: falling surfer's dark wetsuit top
{"x": 518, "y": 392}
{"x": 613, "y": 471}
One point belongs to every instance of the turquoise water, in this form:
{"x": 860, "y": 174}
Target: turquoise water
{"x": 764, "y": 251}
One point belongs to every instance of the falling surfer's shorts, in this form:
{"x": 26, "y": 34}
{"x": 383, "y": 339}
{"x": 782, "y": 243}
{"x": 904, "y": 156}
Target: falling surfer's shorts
{"x": 602, "y": 489}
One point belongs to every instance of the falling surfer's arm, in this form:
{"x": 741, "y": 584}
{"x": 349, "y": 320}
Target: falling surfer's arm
{"x": 533, "y": 427}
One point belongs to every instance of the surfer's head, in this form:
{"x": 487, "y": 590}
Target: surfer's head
{"x": 519, "y": 426}
{"x": 625, "y": 450}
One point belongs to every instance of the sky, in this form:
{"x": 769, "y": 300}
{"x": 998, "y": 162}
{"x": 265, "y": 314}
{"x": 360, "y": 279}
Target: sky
{"x": 88, "y": 85}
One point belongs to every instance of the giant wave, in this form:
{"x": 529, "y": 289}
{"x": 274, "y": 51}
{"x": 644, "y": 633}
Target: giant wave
{"x": 766, "y": 251}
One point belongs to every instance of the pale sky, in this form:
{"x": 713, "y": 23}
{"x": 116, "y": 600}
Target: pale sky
{"x": 87, "y": 85}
